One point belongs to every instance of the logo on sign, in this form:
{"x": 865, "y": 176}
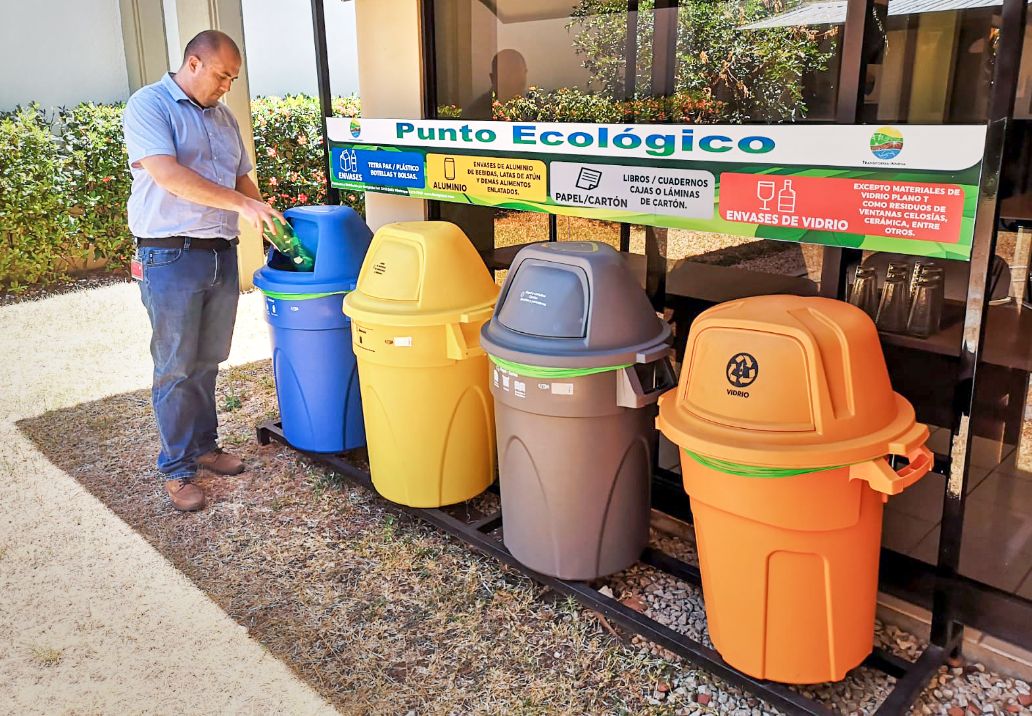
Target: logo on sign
{"x": 742, "y": 370}
{"x": 886, "y": 143}
{"x": 356, "y": 128}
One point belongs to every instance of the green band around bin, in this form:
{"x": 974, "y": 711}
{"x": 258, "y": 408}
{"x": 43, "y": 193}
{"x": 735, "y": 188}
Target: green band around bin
{"x": 281, "y": 296}
{"x": 754, "y": 471}
{"x": 537, "y": 371}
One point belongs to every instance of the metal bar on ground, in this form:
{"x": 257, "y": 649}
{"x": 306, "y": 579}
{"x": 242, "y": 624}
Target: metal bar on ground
{"x": 909, "y": 687}
{"x": 911, "y": 677}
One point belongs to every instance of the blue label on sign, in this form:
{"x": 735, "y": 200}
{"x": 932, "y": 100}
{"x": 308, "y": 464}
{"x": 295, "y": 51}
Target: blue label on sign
{"x": 396, "y": 169}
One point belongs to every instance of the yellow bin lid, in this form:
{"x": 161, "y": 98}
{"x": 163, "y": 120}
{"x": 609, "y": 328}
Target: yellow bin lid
{"x": 787, "y": 381}
{"x": 421, "y": 273}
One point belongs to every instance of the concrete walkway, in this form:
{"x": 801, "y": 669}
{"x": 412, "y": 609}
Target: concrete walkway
{"x": 92, "y": 619}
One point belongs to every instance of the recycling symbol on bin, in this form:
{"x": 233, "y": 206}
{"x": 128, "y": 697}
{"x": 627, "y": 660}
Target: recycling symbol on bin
{"x": 742, "y": 370}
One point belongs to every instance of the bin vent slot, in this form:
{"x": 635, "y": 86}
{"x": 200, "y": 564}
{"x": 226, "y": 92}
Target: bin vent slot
{"x": 394, "y": 272}
{"x": 835, "y": 358}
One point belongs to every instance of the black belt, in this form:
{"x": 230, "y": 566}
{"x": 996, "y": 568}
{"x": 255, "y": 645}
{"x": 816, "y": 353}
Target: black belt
{"x": 186, "y": 242}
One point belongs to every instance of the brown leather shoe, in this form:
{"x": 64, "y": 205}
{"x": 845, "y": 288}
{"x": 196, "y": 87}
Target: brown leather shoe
{"x": 185, "y": 495}
{"x": 221, "y": 463}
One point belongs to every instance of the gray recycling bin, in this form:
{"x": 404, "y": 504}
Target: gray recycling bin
{"x": 579, "y": 359}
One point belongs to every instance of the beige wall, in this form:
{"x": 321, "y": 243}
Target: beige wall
{"x": 390, "y": 82}
{"x": 58, "y": 52}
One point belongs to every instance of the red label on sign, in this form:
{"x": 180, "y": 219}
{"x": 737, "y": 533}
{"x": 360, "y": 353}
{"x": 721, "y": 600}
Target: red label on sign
{"x": 902, "y": 210}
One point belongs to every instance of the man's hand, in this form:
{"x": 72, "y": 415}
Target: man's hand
{"x": 259, "y": 215}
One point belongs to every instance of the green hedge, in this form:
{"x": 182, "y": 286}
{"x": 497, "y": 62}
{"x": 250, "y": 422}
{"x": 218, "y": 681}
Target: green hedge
{"x": 288, "y": 147}
{"x": 64, "y": 181}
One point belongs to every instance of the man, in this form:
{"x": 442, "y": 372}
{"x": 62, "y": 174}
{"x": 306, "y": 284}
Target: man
{"x": 190, "y": 188}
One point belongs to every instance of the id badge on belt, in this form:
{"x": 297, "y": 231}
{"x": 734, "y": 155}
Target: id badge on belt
{"x": 136, "y": 269}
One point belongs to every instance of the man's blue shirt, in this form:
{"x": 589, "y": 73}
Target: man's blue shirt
{"x": 160, "y": 119}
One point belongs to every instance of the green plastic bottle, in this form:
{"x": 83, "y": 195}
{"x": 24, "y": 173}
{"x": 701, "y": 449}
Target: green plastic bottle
{"x": 286, "y": 242}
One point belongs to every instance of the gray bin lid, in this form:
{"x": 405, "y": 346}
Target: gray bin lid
{"x": 573, "y": 305}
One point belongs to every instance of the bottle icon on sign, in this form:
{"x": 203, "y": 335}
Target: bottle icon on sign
{"x": 786, "y": 198}
{"x": 348, "y": 161}
{"x": 449, "y": 168}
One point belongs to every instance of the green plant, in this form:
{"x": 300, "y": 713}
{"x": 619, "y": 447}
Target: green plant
{"x": 288, "y": 148}
{"x": 96, "y": 181}
{"x": 757, "y": 75}
{"x": 231, "y": 402}
{"x": 33, "y": 221}
{"x": 574, "y": 105}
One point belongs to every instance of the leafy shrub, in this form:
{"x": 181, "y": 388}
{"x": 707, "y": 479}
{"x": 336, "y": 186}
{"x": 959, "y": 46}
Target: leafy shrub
{"x": 574, "y": 105}
{"x": 33, "y": 221}
{"x": 96, "y": 181}
{"x": 289, "y": 152}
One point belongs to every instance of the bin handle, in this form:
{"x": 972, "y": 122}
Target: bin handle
{"x": 631, "y": 394}
{"x": 884, "y": 479}
{"x": 457, "y": 347}
{"x": 479, "y": 315}
{"x": 653, "y": 354}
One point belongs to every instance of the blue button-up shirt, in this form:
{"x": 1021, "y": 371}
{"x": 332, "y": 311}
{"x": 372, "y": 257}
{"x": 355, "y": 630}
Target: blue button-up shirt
{"x": 160, "y": 119}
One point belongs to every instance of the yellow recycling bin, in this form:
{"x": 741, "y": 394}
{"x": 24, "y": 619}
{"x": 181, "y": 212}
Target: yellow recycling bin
{"x": 422, "y": 296}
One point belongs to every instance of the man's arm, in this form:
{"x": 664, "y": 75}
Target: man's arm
{"x": 172, "y": 176}
{"x": 246, "y": 186}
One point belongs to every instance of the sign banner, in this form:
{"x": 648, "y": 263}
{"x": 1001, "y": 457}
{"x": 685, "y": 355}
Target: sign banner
{"x": 910, "y": 189}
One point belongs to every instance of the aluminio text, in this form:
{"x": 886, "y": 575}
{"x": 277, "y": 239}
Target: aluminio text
{"x": 655, "y": 143}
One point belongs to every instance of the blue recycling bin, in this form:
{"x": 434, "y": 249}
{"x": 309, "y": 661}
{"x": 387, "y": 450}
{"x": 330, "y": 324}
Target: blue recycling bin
{"x": 312, "y": 358}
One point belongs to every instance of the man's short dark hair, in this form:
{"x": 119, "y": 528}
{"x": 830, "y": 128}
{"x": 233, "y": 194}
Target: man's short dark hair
{"x": 207, "y": 44}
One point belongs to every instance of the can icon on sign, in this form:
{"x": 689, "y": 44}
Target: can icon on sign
{"x": 449, "y": 168}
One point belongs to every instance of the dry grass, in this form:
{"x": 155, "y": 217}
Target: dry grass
{"x": 45, "y": 656}
{"x": 379, "y": 612}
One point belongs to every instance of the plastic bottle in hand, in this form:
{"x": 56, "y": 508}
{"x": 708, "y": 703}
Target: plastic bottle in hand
{"x": 286, "y": 242}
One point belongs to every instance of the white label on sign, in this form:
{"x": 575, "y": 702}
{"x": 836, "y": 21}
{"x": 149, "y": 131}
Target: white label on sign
{"x": 651, "y": 190}
{"x": 520, "y": 388}
{"x": 505, "y": 382}
{"x": 495, "y": 373}
{"x": 403, "y": 342}
{"x": 562, "y": 388}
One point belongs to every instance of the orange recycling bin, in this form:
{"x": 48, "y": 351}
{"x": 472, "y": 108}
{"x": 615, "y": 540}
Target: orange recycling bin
{"x": 785, "y": 418}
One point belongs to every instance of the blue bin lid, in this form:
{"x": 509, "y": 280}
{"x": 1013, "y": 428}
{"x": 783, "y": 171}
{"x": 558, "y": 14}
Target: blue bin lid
{"x": 336, "y": 236}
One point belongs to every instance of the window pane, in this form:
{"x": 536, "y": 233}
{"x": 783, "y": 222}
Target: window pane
{"x": 933, "y": 67}
{"x": 753, "y": 62}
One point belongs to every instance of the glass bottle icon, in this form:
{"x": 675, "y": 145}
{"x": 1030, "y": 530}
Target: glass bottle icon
{"x": 787, "y": 198}
{"x": 449, "y": 168}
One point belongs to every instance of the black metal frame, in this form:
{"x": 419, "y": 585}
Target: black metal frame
{"x": 322, "y": 71}
{"x": 475, "y": 530}
{"x": 952, "y": 596}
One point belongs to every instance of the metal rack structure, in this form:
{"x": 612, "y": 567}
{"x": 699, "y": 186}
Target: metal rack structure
{"x": 476, "y": 531}
{"x": 953, "y": 599}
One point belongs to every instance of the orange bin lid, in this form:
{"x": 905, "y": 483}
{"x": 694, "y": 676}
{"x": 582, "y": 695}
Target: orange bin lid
{"x": 787, "y": 381}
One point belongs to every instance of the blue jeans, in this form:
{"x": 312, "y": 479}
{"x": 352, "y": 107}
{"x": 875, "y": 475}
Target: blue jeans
{"x": 191, "y": 298}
